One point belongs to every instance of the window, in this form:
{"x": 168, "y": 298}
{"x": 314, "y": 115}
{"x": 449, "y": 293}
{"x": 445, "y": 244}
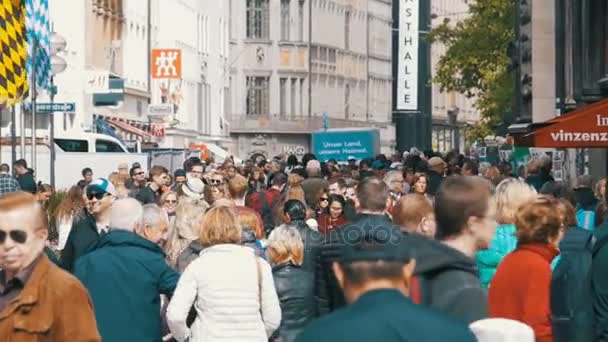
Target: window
{"x": 71, "y": 145}
{"x": 257, "y": 19}
{"x": 302, "y": 96}
{"x": 347, "y": 30}
{"x": 285, "y": 20}
{"x": 301, "y": 20}
{"x": 257, "y": 95}
{"x": 283, "y": 100}
{"x": 107, "y": 146}
{"x": 293, "y": 96}
{"x": 199, "y": 107}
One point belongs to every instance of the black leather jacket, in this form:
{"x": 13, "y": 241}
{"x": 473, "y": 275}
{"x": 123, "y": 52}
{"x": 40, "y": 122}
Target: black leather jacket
{"x": 312, "y": 240}
{"x": 328, "y": 294}
{"x": 295, "y": 288}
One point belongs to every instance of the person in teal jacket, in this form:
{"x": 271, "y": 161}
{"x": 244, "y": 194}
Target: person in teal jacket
{"x": 125, "y": 273}
{"x": 509, "y": 194}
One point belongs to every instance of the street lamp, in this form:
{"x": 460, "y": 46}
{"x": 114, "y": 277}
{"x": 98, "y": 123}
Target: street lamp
{"x": 58, "y": 65}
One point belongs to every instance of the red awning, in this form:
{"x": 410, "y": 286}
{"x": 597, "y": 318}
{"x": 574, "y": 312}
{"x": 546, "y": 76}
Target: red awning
{"x": 129, "y": 128}
{"x": 583, "y": 128}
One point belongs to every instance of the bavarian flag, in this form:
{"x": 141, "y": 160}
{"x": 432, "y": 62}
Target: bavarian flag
{"x": 13, "y": 52}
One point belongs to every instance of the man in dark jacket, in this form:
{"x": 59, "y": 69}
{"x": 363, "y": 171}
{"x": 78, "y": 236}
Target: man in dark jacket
{"x": 86, "y": 230}
{"x": 373, "y": 194}
{"x": 25, "y": 176}
{"x": 375, "y": 276}
{"x": 151, "y": 193}
{"x": 126, "y": 273}
{"x": 437, "y": 168}
{"x": 446, "y": 270}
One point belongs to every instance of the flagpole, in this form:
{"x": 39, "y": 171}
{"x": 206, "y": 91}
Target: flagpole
{"x": 22, "y": 129}
{"x": 13, "y": 136}
{"x": 33, "y": 110}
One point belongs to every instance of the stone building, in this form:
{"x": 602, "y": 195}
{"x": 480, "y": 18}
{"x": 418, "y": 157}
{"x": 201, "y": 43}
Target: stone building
{"x": 292, "y": 73}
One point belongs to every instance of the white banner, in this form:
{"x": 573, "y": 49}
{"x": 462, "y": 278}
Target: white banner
{"x": 407, "y": 74}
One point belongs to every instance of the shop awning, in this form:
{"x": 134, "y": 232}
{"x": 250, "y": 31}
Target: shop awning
{"x": 129, "y": 128}
{"x": 583, "y": 128}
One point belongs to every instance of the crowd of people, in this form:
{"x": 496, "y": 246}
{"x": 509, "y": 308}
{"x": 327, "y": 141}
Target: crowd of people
{"x": 415, "y": 247}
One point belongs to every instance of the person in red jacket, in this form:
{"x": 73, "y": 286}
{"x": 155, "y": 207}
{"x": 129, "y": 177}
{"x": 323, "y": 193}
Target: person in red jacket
{"x": 520, "y": 289}
{"x": 335, "y": 217}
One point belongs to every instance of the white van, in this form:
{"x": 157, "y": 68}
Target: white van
{"x": 75, "y": 151}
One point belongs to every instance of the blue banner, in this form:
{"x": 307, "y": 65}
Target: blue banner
{"x": 344, "y": 145}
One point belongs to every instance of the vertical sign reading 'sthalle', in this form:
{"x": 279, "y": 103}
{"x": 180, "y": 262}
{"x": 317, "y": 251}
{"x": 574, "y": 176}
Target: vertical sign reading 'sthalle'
{"x": 407, "y": 74}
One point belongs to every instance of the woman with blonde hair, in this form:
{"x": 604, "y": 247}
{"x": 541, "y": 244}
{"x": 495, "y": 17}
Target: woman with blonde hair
{"x": 295, "y": 286}
{"x": 232, "y": 289}
{"x": 509, "y": 195}
{"x": 70, "y": 208}
{"x": 182, "y": 244}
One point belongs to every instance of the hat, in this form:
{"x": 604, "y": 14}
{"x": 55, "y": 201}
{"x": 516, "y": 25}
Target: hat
{"x": 584, "y": 181}
{"x": 102, "y": 185}
{"x": 436, "y": 161}
{"x": 375, "y": 246}
{"x": 501, "y": 330}
{"x": 179, "y": 173}
{"x": 193, "y": 188}
{"x": 378, "y": 165}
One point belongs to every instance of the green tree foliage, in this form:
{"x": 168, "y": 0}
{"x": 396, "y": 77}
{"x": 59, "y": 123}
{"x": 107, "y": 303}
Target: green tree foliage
{"x": 476, "y": 62}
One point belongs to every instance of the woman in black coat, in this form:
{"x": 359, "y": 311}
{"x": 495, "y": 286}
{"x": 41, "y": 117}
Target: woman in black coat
{"x": 294, "y": 285}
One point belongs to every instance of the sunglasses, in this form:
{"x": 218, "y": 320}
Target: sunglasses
{"x": 216, "y": 181}
{"x": 98, "y": 195}
{"x": 171, "y": 201}
{"x": 324, "y": 199}
{"x": 140, "y": 173}
{"x": 19, "y": 236}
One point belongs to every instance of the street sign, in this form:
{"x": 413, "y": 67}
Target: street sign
{"x": 69, "y": 107}
{"x": 160, "y": 110}
{"x": 166, "y": 63}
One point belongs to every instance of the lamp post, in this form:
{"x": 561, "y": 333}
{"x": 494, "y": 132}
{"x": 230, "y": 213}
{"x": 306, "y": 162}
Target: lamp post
{"x": 58, "y": 65}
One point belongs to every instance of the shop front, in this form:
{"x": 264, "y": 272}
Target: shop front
{"x": 269, "y": 145}
{"x": 583, "y": 131}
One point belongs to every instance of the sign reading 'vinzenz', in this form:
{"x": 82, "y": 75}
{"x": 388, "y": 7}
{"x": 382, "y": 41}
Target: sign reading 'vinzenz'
{"x": 407, "y": 74}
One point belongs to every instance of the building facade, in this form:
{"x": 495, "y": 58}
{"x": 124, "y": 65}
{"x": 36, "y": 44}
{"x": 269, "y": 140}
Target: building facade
{"x": 292, "y": 73}
{"x": 114, "y": 38}
{"x": 452, "y": 111}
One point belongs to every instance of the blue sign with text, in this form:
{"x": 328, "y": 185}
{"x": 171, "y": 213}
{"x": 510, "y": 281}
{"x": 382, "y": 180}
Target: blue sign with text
{"x": 343, "y": 145}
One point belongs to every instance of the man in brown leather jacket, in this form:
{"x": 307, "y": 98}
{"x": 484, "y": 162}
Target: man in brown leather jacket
{"x": 38, "y": 300}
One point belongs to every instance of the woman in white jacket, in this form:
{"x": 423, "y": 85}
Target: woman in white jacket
{"x": 232, "y": 290}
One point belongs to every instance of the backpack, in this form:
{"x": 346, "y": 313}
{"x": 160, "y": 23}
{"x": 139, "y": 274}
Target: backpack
{"x": 585, "y": 219}
{"x": 572, "y": 314}
{"x": 267, "y": 212}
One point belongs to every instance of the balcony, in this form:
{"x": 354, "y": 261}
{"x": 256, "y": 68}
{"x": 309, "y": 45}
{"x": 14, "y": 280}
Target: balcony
{"x": 287, "y": 124}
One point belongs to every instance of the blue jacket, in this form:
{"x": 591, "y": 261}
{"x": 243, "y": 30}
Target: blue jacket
{"x": 386, "y": 315}
{"x": 504, "y": 242}
{"x": 125, "y": 275}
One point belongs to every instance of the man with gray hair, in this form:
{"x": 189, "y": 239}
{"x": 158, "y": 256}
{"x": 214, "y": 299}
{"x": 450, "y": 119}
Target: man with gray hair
{"x": 125, "y": 272}
{"x": 314, "y": 183}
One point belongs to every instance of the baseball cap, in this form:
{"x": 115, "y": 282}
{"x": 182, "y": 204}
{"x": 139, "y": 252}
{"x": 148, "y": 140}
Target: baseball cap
{"x": 101, "y": 185}
{"x": 179, "y": 173}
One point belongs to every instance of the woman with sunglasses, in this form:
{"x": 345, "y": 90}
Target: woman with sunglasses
{"x": 335, "y": 217}
{"x": 322, "y": 203}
